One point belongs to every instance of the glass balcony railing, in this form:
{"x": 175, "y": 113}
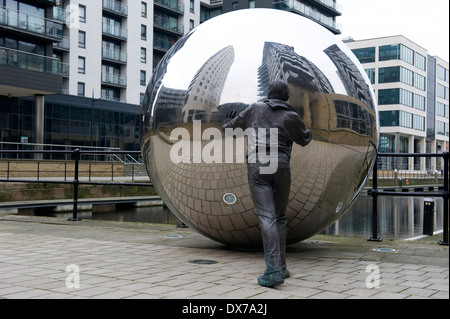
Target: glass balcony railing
{"x": 168, "y": 24}
{"x": 115, "y": 79}
{"x": 114, "y": 55}
{"x": 175, "y": 5}
{"x": 32, "y": 62}
{"x": 332, "y": 4}
{"x": 28, "y": 22}
{"x": 115, "y": 6}
{"x": 60, "y": 14}
{"x": 309, "y": 12}
{"x": 64, "y": 44}
{"x": 114, "y": 30}
{"x": 162, "y": 44}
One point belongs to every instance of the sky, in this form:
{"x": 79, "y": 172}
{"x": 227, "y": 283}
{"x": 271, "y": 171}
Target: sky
{"x": 425, "y": 23}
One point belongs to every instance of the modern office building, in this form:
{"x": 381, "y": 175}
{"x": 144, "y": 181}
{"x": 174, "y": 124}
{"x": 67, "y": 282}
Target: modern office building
{"x": 412, "y": 88}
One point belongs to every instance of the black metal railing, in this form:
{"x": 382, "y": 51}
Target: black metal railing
{"x": 441, "y": 192}
{"x": 76, "y": 157}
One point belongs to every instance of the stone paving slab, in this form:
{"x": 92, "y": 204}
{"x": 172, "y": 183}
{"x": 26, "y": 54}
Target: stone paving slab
{"x": 50, "y": 258}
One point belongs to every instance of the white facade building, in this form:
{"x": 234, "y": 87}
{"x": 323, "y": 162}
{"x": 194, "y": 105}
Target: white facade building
{"x": 113, "y": 46}
{"x": 412, "y": 89}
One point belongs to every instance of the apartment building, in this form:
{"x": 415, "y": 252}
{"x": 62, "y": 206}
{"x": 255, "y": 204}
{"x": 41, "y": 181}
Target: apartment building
{"x": 324, "y": 12}
{"x": 412, "y": 88}
{"x": 74, "y": 72}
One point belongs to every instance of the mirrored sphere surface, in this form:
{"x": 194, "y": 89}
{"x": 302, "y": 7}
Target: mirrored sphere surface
{"x": 226, "y": 64}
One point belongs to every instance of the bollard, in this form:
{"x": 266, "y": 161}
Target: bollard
{"x": 428, "y": 216}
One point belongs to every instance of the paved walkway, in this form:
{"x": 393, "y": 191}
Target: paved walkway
{"x": 45, "y": 258}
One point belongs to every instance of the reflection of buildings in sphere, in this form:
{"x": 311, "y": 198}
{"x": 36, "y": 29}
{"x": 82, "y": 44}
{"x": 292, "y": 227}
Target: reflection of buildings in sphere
{"x": 205, "y": 90}
{"x": 327, "y": 89}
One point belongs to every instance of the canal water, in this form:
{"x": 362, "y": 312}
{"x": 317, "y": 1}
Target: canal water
{"x": 398, "y": 217}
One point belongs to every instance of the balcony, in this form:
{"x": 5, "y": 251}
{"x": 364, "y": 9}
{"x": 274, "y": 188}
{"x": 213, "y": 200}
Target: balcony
{"x": 115, "y": 7}
{"x": 63, "y": 45}
{"x": 168, "y": 25}
{"x": 114, "y": 55}
{"x": 32, "y": 62}
{"x": 114, "y": 31}
{"x": 309, "y": 12}
{"x": 329, "y": 5}
{"x": 60, "y": 14}
{"x": 172, "y": 5}
{"x": 114, "y": 79}
{"x": 161, "y": 44}
{"x": 34, "y": 25}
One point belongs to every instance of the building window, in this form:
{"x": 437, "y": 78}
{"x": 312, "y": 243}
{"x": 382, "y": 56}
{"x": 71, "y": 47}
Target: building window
{"x": 365, "y": 55}
{"x": 80, "y": 89}
{"x": 371, "y": 75}
{"x": 420, "y": 62}
{"x": 440, "y": 128}
{"x": 419, "y": 122}
{"x": 141, "y": 97}
{"x": 395, "y": 74}
{"x": 81, "y": 39}
{"x": 419, "y": 102}
{"x": 388, "y": 96}
{"x": 389, "y": 118}
{"x": 441, "y": 91}
{"x": 396, "y": 52}
{"x": 406, "y": 98}
{"x": 143, "y": 9}
{"x": 395, "y": 96}
{"x": 406, "y": 76}
{"x": 143, "y": 76}
{"x": 387, "y": 143}
{"x": 143, "y": 55}
{"x": 82, "y": 13}
{"x": 389, "y": 52}
{"x": 419, "y": 81}
{"x": 442, "y": 109}
{"x": 251, "y": 4}
{"x": 235, "y": 6}
{"x": 191, "y": 24}
{"x": 81, "y": 65}
{"x": 406, "y": 54}
{"x": 143, "y": 32}
{"x": 442, "y": 73}
{"x": 388, "y": 75}
{"x": 406, "y": 119}
{"x": 191, "y": 6}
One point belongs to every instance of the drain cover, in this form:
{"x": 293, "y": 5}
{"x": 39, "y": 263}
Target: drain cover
{"x": 384, "y": 250}
{"x": 229, "y": 198}
{"x": 203, "y": 261}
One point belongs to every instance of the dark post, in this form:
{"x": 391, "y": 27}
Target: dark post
{"x": 428, "y": 216}
{"x": 76, "y": 182}
{"x": 446, "y": 198}
{"x": 374, "y": 203}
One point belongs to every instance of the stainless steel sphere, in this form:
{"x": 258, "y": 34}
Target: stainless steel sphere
{"x": 226, "y": 64}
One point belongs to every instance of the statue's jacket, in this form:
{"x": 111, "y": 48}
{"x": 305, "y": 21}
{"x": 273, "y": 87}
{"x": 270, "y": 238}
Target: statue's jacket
{"x": 270, "y": 125}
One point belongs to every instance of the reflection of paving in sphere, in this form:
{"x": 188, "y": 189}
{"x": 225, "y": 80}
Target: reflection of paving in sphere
{"x": 228, "y": 63}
